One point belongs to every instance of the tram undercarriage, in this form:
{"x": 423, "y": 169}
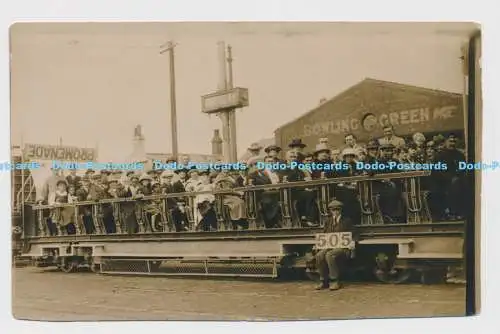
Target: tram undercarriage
{"x": 389, "y": 253}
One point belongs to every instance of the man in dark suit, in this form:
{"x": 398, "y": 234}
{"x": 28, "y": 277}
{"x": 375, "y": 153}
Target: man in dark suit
{"x": 305, "y": 198}
{"x": 348, "y": 192}
{"x": 73, "y": 179}
{"x": 450, "y": 182}
{"x": 389, "y": 191}
{"x": 298, "y": 146}
{"x": 326, "y": 259}
{"x": 169, "y": 187}
{"x": 269, "y": 199}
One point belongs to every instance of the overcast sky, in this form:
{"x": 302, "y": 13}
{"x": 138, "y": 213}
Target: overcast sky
{"x": 92, "y": 83}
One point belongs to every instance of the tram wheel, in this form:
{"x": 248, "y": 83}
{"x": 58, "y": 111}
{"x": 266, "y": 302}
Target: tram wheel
{"x": 386, "y": 272}
{"x": 68, "y": 266}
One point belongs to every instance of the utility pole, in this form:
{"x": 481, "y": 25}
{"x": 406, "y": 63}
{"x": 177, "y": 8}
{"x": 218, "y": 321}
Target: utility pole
{"x": 232, "y": 113}
{"x": 173, "y": 105}
{"x": 224, "y": 116}
{"x": 224, "y": 101}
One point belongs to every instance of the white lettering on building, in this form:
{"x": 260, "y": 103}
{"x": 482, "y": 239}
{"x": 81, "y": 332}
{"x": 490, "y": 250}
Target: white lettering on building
{"x": 404, "y": 117}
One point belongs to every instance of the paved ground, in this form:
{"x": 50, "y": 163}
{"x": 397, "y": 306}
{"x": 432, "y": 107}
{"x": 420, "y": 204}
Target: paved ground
{"x": 48, "y": 295}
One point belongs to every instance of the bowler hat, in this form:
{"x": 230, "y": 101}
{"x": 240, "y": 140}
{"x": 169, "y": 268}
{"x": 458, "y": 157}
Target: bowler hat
{"x": 349, "y": 151}
{"x": 297, "y": 142}
{"x": 387, "y": 146}
{"x": 372, "y": 144}
{"x": 272, "y": 148}
{"x": 255, "y": 147}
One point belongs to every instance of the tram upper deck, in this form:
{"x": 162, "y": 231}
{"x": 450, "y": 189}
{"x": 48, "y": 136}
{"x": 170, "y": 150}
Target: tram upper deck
{"x": 155, "y": 216}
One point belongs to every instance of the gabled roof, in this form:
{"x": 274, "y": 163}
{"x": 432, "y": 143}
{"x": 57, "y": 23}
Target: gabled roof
{"x": 374, "y": 82}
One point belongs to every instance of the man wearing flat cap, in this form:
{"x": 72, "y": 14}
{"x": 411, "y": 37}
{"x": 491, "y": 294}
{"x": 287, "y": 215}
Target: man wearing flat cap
{"x": 273, "y": 151}
{"x": 327, "y": 259}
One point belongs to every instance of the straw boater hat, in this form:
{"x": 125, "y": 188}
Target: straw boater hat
{"x": 185, "y": 170}
{"x": 321, "y": 148}
{"x": 372, "y": 144}
{"x": 272, "y": 148}
{"x": 297, "y": 142}
{"x": 90, "y": 171}
{"x": 130, "y": 172}
{"x": 114, "y": 178}
{"x": 386, "y": 147}
{"x": 335, "y": 204}
{"x": 203, "y": 171}
{"x": 255, "y": 147}
{"x": 193, "y": 170}
{"x": 167, "y": 173}
{"x": 145, "y": 177}
{"x": 323, "y": 140}
{"x": 96, "y": 176}
{"x": 349, "y": 151}
{"x": 417, "y": 135}
{"x": 151, "y": 171}
{"x": 335, "y": 151}
{"x": 170, "y": 159}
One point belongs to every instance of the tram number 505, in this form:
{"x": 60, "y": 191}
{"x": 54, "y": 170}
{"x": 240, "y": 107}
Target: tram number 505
{"x": 334, "y": 240}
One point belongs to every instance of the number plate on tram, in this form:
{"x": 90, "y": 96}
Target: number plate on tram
{"x": 334, "y": 240}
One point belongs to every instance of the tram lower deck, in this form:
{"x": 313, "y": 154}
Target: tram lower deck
{"x": 386, "y": 251}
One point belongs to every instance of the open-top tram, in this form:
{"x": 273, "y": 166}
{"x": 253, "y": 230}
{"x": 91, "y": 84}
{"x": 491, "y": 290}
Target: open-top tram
{"x": 388, "y": 251}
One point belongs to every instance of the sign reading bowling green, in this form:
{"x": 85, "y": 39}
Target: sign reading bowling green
{"x": 365, "y": 108}
{"x": 62, "y": 153}
{"x": 370, "y": 122}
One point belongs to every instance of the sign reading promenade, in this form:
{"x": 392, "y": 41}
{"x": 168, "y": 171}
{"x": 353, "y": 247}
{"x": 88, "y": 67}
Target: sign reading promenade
{"x": 62, "y": 153}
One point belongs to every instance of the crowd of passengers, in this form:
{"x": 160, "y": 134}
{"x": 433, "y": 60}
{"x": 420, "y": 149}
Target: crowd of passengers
{"x": 445, "y": 188}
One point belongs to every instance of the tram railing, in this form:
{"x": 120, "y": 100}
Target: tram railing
{"x": 179, "y": 212}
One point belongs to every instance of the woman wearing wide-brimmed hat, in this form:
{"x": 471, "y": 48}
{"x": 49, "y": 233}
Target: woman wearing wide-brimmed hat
{"x": 204, "y": 212}
{"x": 233, "y": 201}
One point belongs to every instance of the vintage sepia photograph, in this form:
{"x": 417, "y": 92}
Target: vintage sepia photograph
{"x": 244, "y": 171}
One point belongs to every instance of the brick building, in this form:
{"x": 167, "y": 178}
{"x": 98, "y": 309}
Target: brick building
{"x": 364, "y": 108}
